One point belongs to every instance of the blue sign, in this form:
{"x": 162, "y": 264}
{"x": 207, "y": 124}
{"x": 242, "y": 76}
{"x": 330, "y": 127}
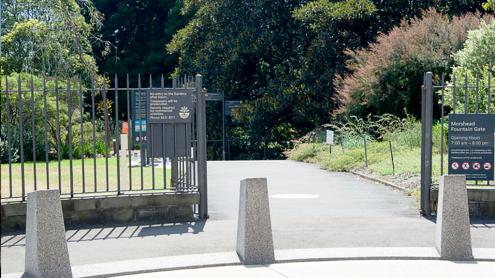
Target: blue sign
{"x": 139, "y": 125}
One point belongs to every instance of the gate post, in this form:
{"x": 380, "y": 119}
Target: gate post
{"x": 201, "y": 147}
{"x": 426, "y": 142}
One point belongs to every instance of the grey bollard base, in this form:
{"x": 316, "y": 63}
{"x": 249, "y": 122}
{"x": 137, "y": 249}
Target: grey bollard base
{"x": 453, "y": 235}
{"x": 46, "y": 247}
{"x": 254, "y": 231}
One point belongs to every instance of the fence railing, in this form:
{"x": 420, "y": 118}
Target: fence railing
{"x": 470, "y": 93}
{"x": 466, "y": 91}
{"x": 68, "y": 135}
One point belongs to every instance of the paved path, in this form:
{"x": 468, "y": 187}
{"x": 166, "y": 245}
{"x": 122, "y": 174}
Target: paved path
{"x": 362, "y": 269}
{"x": 341, "y": 211}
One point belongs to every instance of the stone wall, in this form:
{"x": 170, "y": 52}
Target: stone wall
{"x": 111, "y": 209}
{"x": 481, "y": 201}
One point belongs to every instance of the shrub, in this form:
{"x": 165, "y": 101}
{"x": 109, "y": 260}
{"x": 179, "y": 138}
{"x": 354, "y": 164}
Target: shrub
{"x": 476, "y": 60}
{"x": 39, "y": 146}
{"x": 387, "y": 76}
{"x": 4, "y": 149}
{"x": 304, "y": 152}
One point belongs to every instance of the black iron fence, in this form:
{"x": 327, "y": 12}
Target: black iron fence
{"x": 95, "y": 139}
{"x": 462, "y": 92}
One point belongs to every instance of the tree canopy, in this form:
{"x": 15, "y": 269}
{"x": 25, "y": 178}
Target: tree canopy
{"x": 286, "y": 60}
{"x": 281, "y": 58}
{"x": 134, "y": 33}
{"x": 479, "y": 48}
{"x": 53, "y": 37}
{"x": 386, "y": 76}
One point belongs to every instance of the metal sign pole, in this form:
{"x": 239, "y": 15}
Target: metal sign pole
{"x": 223, "y": 126}
{"x": 201, "y": 136}
{"x": 426, "y": 144}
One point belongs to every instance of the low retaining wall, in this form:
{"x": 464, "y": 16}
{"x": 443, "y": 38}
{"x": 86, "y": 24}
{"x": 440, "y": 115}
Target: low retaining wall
{"x": 481, "y": 201}
{"x": 111, "y": 209}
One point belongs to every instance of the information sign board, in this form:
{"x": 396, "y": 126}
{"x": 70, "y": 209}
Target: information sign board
{"x": 471, "y": 145}
{"x": 170, "y": 106}
{"x": 329, "y": 137}
{"x": 231, "y": 106}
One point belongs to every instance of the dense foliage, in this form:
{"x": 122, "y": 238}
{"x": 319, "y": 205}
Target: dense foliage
{"x": 387, "y": 75}
{"x": 134, "y": 34}
{"x": 281, "y": 58}
{"x": 35, "y": 105}
{"x": 51, "y": 37}
{"x": 478, "y": 51}
{"x": 476, "y": 65}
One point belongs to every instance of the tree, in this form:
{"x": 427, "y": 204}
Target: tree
{"x": 478, "y": 51}
{"x": 250, "y": 51}
{"x": 476, "y": 65}
{"x": 51, "y": 37}
{"x": 134, "y": 35}
{"x": 14, "y": 101}
{"x": 386, "y": 76}
{"x": 489, "y": 5}
{"x": 281, "y": 58}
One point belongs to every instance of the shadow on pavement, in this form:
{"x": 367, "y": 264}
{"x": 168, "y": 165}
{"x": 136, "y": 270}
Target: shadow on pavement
{"x": 476, "y": 222}
{"x": 105, "y": 232}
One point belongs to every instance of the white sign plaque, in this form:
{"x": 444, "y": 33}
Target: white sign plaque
{"x": 330, "y": 137}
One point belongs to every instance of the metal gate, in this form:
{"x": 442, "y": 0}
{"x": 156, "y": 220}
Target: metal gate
{"x": 68, "y": 136}
{"x": 469, "y": 93}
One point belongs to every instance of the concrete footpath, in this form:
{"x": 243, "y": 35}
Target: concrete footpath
{"x": 361, "y": 269}
{"x": 310, "y": 208}
{"x": 321, "y": 262}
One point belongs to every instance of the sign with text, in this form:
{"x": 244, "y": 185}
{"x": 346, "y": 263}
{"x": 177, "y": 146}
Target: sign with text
{"x": 329, "y": 137}
{"x": 170, "y": 106}
{"x": 139, "y": 104}
{"x": 138, "y": 115}
{"x": 139, "y": 126}
{"x": 471, "y": 145}
{"x": 231, "y": 106}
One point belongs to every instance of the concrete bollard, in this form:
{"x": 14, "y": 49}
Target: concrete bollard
{"x": 254, "y": 231}
{"x": 453, "y": 235}
{"x": 46, "y": 247}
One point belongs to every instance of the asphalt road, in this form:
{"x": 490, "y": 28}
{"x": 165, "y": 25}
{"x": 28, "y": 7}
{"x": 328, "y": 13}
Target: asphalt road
{"x": 310, "y": 208}
{"x": 330, "y": 194}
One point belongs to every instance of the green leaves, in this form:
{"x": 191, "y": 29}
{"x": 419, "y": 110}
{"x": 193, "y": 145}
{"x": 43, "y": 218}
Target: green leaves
{"x": 476, "y": 66}
{"x": 135, "y": 35}
{"x": 386, "y": 76}
{"x": 49, "y": 36}
{"x": 479, "y": 48}
{"x": 322, "y": 12}
{"x": 489, "y": 5}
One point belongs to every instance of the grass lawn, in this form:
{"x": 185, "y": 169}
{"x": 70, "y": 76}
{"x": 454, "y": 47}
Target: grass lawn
{"x": 407, "y": 160}
{"x": 89, "y": 174}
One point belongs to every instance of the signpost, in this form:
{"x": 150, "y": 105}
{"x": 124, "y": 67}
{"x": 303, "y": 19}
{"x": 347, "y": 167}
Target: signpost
{"x": 138, "y": 124}
{"x": 471, "y": 145}
{"x": 169, "y": 114}
{"x": 231, "y": 106}
{"x": 170, "y": 106}
{"x": 329, "y": 140}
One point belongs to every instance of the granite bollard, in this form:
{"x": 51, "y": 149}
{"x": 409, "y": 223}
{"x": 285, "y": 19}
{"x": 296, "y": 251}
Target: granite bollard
{"x": 254, "y": 231}
{"x": 46, "y": 247}
{"x": 453, "y": 235}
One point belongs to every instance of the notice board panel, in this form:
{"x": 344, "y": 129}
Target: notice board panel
{"x": 170, "y": 106}
{"x": 471, "y": 145}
